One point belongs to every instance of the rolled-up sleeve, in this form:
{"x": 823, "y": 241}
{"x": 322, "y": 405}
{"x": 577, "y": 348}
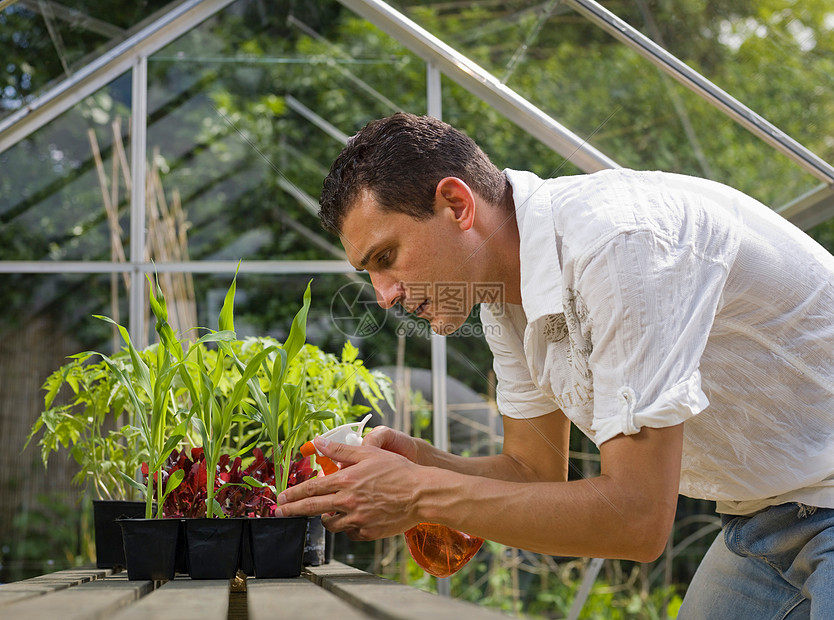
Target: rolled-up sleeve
{"x": 517, "y": 396}
{"x": 651, "y": 302}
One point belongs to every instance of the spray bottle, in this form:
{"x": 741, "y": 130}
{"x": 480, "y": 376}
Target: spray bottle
{"x": 438, "y": 549}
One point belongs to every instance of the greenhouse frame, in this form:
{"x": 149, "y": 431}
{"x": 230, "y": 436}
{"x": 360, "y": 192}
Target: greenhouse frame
{"x": 232, "y": 111}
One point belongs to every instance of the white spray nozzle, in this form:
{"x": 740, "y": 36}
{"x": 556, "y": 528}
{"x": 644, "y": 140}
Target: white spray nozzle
{"x": 350, "y": 434}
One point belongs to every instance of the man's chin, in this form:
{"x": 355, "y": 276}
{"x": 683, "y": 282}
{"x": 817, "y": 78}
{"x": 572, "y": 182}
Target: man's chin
{"x": 444, "y": 328}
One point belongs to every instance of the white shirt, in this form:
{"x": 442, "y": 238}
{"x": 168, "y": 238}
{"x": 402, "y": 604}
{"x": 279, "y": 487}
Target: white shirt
{"x": 651, "y": 299}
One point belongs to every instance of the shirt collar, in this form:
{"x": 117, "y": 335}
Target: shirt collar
{"x": 541, "y": 273}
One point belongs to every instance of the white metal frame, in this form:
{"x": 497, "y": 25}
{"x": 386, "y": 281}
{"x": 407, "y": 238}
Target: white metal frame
{"x": 132, "y": 55}
{"x": 811, "y": 210}
{"x": 106, "y": 68}
{"x": 138, "y": 163}
{"x": 482, "y": 84}
{"x": 747, "y": 118}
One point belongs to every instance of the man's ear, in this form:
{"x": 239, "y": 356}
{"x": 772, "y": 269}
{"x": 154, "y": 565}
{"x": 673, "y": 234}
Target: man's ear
{"x": 455, "y": 199}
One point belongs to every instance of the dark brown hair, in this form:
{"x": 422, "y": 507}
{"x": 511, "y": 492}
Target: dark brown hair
{"x": 401, "y": 159}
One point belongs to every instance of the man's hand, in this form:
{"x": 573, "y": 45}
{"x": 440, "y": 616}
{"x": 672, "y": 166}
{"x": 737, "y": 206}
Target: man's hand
{"x": 371, "y": 496}
{"x": 393, "y": 441}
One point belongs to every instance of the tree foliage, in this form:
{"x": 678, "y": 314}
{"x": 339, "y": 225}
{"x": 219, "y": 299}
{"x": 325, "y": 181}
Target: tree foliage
{"x": 232, "y": 108}
{"x": 233, "y": 103}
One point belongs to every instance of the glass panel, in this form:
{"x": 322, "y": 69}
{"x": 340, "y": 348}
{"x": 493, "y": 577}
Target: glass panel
{"x": 43, "y": 319}
{"x": 243, "y": 124}
{"x": 606, "y": 93}
{"x": 475, "y": 427}
{"x": 63, "y": 191}
{"x": 45, "y": 41}
{"x": 503, "y": 141}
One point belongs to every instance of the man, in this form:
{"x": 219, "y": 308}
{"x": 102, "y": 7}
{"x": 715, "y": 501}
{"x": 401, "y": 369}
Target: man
{"x": 681, "y": 325}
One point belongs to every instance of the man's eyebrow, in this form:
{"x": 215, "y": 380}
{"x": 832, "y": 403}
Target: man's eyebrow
{"x": 367, "y": 257}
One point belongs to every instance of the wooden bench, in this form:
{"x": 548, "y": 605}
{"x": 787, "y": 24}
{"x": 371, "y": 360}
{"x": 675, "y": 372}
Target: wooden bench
{"x": 333, "y": 591}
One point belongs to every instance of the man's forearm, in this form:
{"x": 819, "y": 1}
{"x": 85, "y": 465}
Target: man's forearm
{"x": 587, "y": 518}
{"x": 497, "y": 467}
{"x": 625, "y": 512}
{"x": 534, "y": 450}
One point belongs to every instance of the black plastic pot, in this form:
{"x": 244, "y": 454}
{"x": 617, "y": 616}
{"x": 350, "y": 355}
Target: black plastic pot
{"x": 329, "y": 545}
{"x": 181, "y": 560}
{"x": 315, "y": 543}
{"x": 247, "y": 567}
{"x": 150, "y": 547}
{"x": 277, "y": 545}
{"x": 110, "y": 551}
{"x": 213, "y": 547}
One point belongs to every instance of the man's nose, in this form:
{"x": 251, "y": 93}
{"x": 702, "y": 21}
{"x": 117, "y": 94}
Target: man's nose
{"x": 389, "y": 291}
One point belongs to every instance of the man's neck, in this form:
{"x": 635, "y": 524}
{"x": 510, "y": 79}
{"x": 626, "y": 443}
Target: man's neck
{"x": 501, "y": 245}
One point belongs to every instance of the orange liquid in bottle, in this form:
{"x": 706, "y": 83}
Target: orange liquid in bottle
{"x": 440, "y": 550}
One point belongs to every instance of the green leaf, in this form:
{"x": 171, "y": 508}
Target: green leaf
{"x": 201, "y": 428}
{"x": 218, "y": 509}
{"x": 140, "y": 368}
{"x": 160, "y": 310}
{"x": 222, "y": 336}
{"x": 298, "y": 330}
{"x": 138, "y": 405}
{"x": 349, "y": 352}
{"x": 169, "y": 446}
{"x": 227, "y": 321}
{"x": 174, "y": 480}
{"x": 133, "y": 483}
{"x": 241, "y": 387}
{"x": 257, "y": 483}
{"x": 279, "y": 369}
{"x": 252, "y": 413}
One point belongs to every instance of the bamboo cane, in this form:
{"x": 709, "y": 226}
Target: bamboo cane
{"x": 110, "y": 199}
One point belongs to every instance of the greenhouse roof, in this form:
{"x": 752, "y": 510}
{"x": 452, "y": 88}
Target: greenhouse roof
{"x": 82, "y": 48}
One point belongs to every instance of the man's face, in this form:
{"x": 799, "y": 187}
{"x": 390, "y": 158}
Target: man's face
{"x": 417, "y": 264}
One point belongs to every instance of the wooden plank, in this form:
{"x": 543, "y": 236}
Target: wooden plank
{"x": 68, "y": 578}
{"x": 13, "y": 595}
{"x": 93, "y": 600}
{"x": 386, "y": 599}
{"x": 43, "y": 584}
{"x": 206, "y": 599}
{"x": 268, "y": 599}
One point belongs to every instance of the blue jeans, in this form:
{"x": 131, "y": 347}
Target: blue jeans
{"x": 775, "y": 564}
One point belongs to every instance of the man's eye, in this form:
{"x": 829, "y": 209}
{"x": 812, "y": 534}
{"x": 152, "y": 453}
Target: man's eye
{"x": 384, "y": 258}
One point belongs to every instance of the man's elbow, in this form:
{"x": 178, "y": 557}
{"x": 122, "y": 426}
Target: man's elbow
{"x": 647, "y": 539}
{"x": 650, "y": 549}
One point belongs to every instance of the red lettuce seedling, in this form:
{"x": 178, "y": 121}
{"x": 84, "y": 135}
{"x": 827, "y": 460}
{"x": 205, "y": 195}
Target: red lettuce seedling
{"x": 188, "y": 499}
{"x": 239, "y": 492}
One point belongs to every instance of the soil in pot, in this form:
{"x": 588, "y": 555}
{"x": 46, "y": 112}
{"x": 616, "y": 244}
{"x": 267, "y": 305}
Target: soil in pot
{"x": 110, "y": 551}
{"x": 213, "y": 547}
{"x": 150, "y": 547}
{"x": 277, "y": 545}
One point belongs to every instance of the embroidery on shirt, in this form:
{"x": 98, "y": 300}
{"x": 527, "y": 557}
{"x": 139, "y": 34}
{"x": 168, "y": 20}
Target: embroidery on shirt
{"x": 555, "y": 328}
{"x": 580, "y": 327}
